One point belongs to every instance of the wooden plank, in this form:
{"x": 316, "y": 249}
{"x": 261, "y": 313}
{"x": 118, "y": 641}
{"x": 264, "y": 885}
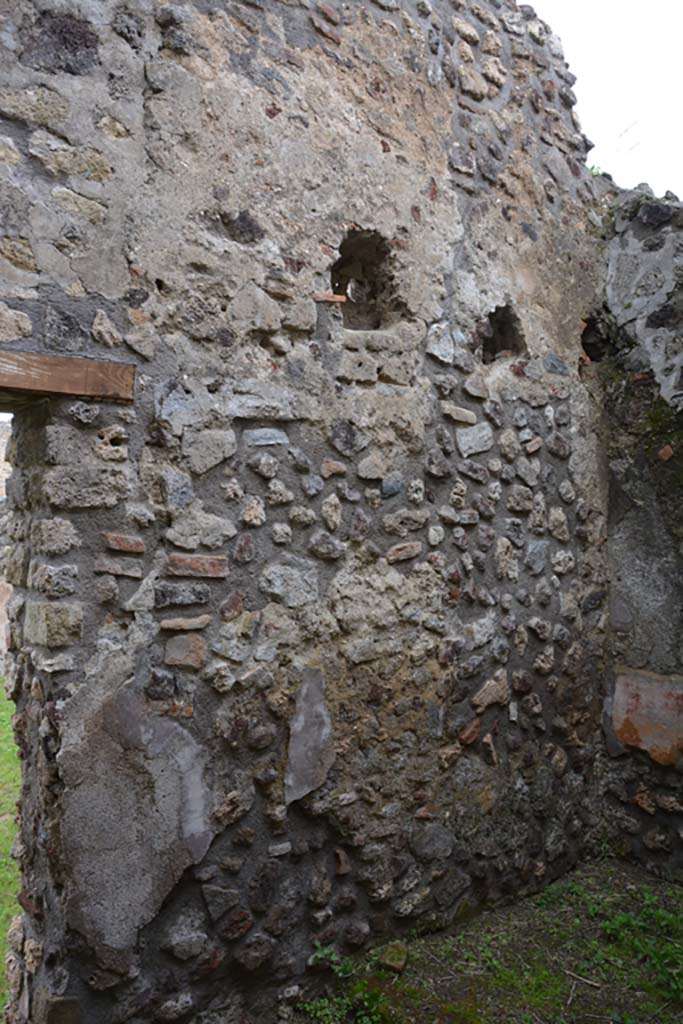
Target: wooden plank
{"x": 66, "y": 375}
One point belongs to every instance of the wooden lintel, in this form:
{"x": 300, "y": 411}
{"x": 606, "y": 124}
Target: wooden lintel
{"x": 39, "y": 373}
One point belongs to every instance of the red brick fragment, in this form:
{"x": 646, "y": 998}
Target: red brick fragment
{"x": 124, "y": 542}
{"x": 210, "y": 566}
{"x": 470, "y": 733}
{"x": 666, "y": 453}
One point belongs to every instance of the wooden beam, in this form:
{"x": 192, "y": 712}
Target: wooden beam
{"x": 39, "y": 373}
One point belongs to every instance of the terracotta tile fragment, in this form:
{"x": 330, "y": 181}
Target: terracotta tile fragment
{"x": 210, "y": 566}
{"x": 124, "y": 542}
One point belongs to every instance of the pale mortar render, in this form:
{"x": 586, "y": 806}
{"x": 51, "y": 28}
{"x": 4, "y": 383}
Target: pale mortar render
{"x": 337, "y": 623}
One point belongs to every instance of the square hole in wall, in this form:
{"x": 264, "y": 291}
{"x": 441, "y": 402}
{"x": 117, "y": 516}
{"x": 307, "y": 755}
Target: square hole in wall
{"x": 502, "y": 335}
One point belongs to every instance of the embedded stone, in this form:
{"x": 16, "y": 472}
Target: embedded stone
{"x": 494, "y": 691}
{"x": 244, "y": 550}
{"x": 330, "y": 467}
{"x": 563, "y": 562}
{"x": 472, "y": 440}
{"x": 311, "y": 750}
{"x": 558, "y": 525}
{"x": 281, "y": 533}
{"x": 278, "y": 494}
{"x": 254, "y": 513}
{"x": 186, "y": 650}
{"x": 432, "y": 842}
{"x": 265, "y": 437}
{"x": 206, "y": 449}
{"x": 168, "y": 594}
{"x": 211, "y": 566}
{"x": 476, "y": 386}
{"x": 440, "y": 344}
{"x": 265, "y": 464}
{"x": 119, "y": 567}
{"x": 124, "y": 542}
{"x": 558, "y": 445}
{"x": 54, "y": 580}
{"x": 104, "y": 331}
{"x": 325, "y": 546}
{"x": 372, "y": 467}
{"x": 404, "y": 552}
{"x": 53, "y": 625}
{"x": 292, "y": 581}
{"x": 182, "y": 625}
{"x": 519, "y": 499}
{"x": 14, "y": 324}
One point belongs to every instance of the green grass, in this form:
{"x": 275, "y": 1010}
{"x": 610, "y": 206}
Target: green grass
{"x": 9, "y": 791}
{"x": 603, "y": 945}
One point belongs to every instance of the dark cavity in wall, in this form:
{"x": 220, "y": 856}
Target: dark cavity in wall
{"x": 362, "y": 274}
{"x": 594, "y": 339}
{"x": 502, "y": 335}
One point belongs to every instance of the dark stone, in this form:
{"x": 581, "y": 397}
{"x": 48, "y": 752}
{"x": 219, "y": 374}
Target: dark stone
{"x": 346, "y": 438}
{"x": 63, "y": 332}
{"x": 242, "y": 227}
{"x": 237, "y": 924}
{"x": 60, "y": 42}
{"x": 437, "y": 465}
{"x": 474, "y": 471}
{"x": 357, "y": 933}
{"x": 168, "y": 594}
{"x": 593, "y": 601}
{"x": 514, "y": 531}
{"x": 161, "y": 686}
{"x": 444, "y": 440}
{"x": 219, "y": 900}
{"x": 392, "y": 485}
{"x": 557, "y": 444}
{"x": 432, "y": 842}
{"x": 300, "y": 461}
{"x": 553, "y": 364}
{"x": 666, "y": 316}
{"x": 654, "y": 214}
{"x": 323, "y": 545}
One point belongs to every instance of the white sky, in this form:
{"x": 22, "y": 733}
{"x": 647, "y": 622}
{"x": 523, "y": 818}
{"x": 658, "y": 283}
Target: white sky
{"x": 627, "y": 56}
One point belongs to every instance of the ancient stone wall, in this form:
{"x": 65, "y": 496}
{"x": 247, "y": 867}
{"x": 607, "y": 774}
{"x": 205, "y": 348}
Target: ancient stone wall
{"x": 309, "y": 643}
{"x": 644, "y": 402}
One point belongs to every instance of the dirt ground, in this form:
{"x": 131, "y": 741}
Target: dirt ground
{"x": 604, "y": 944}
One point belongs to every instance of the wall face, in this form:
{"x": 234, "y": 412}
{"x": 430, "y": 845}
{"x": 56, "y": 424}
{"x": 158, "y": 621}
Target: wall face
{"x": 308, "y": 642}
{"x": 644, "y": 396}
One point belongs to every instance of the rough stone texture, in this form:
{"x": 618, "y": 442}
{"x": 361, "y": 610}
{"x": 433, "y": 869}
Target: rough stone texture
{"x": 303, "y": 648}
